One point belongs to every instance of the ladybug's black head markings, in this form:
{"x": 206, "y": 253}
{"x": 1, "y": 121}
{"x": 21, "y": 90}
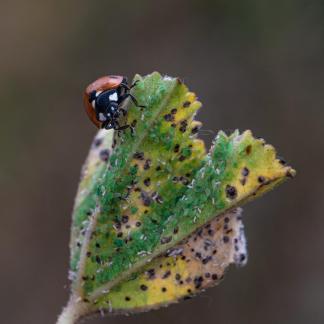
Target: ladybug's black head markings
{"x": 103, "y": 99}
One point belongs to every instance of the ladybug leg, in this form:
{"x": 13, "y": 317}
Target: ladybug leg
{"x": 123, "y": 111}
{"x": 122, "y": 127}
{"x": 135, "y": 101}
{"x": 134, "y": 84}
{"x": 124, "y": 85}
{"x": 119, "y": 128}
{"x": 126, "y": 95}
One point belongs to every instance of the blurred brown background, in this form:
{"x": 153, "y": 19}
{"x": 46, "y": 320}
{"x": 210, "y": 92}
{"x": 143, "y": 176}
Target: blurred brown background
{"x": 255, "y": 64}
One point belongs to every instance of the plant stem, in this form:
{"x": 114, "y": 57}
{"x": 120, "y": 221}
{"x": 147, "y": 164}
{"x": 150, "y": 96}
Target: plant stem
{"x": 74, "y": 310}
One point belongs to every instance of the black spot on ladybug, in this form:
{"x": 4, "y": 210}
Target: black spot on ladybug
{"x": 139, "y": 155}
{"x": 231, "y": 192}
{"x": 158, "y": 168}
{"x": 92, "y": 95}
{"x": 163, "y": 289}
{"x": 88, "y": 254}
{"x": 174, "y": 111}
{"x": 97, "y": 245}
{"x": 248, "y": 149}
{"x": 175, "y": 230}
{"x": 120, "y": 234}
{"x": 138, "y": 224}
{"x": 186, "y": 104}
{"x": 178, "y": 276}
{"x": 127, "y": 298}
{"x": 214, "y": 276}
{"x": 176, "y": 148}
{"x": 98, "y": 260}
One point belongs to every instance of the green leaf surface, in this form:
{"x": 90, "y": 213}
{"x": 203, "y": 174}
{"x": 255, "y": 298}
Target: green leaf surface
{"x": 195, "y": 264}
{"x": 155, "y": 217}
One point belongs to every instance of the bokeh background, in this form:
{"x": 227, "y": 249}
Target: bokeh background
{"x": 255, "y": 64}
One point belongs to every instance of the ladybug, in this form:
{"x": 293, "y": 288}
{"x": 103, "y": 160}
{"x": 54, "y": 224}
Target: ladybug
{"x": 103, "y": 99}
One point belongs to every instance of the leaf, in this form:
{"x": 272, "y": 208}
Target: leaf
{"x": 151, "y": 204}
{"x": 195, "y": 264}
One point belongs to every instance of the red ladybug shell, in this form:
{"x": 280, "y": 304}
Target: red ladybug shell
{"x": 108, "y": 82}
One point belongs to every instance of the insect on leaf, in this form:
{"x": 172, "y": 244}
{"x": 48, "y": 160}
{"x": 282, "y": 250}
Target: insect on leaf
{"x": 156, "y": 218}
